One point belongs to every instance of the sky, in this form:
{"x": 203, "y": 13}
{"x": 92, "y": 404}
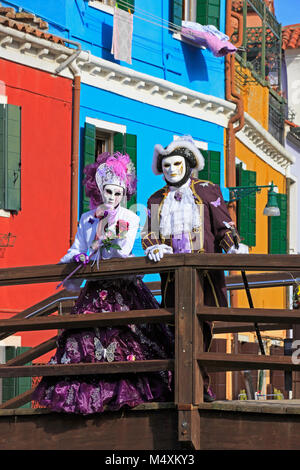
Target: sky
{"x": 287, "y": 11}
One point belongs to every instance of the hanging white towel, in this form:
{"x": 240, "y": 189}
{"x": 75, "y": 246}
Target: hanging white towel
{"x": 122, "y": 35}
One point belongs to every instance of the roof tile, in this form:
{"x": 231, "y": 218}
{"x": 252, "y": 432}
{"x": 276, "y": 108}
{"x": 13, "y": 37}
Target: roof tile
{"x": 291, "y": 37}
{"x": 27, "y": 23}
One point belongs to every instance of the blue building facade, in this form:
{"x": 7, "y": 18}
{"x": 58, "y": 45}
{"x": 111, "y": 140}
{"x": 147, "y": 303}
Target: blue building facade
{"x": 113, "y": 117}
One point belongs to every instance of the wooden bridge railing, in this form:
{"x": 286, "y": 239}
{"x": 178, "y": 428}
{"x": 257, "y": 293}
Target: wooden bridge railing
{"x": 187, "y": 316}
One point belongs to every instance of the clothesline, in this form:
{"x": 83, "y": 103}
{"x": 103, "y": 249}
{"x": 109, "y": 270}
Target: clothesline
{"x": 152, "y": 17}
{"x": 207, "y": 36}
{"x": 177, "y": 30}
{"x": 157, "y": 20}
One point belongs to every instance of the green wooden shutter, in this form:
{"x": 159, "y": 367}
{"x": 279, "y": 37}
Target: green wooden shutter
{"x": 129, "y": 4}
{"x": 10, "y": 157}
{"x": 14, "y": 386}
{"x": 247, "y": 208}
{"x": 176, "y": 12}
{"x": 127, "y": 143}
{"x": 212, "y": 167}
{"x": 208, "y": 12}
{"x": 278, "y": 228}
{"x": 9, "y": 383}
{"x": 89, "y": 150}
{"x": 23, "y": 383}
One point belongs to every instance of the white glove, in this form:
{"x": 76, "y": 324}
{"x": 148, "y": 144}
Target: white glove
{"x": 241, "y": 250}
{"x": 156, "y": 252}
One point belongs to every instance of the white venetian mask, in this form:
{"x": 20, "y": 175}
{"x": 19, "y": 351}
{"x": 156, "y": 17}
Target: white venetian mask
{"x": 173, "y": 168}
{"x": 112, "y": 195}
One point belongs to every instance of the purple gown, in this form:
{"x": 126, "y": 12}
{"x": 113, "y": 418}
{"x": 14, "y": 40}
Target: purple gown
{"x": 95, "y": 393}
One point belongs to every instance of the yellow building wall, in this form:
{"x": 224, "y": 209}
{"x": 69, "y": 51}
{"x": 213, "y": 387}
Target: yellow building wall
{"x": 256, "y": 104}
{"x": 271, "y": 297}
{"x": 255, "y": 95}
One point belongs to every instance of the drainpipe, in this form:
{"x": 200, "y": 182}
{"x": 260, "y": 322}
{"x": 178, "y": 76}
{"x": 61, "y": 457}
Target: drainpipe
{"x": 75, "y": 153}
{"x": 70, "y": 62}
{"x": 232, "y": 95}
{"x": 238, "y": 117}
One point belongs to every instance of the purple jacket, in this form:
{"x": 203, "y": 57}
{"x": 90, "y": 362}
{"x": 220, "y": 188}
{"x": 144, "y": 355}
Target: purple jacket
{"x": 216, "y": 235}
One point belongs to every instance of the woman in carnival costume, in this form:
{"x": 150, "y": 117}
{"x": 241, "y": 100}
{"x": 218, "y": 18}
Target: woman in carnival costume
{"x": 188, "y": 215}
{"x": 108, "y": 230}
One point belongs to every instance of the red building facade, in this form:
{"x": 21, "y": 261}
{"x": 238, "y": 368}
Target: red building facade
{"x": 40, "y": 229}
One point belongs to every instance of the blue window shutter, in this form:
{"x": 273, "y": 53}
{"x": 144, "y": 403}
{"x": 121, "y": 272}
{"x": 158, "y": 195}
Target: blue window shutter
{"x": 10, "y": 157}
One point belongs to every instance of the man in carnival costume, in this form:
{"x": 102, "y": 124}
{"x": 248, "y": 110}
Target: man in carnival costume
{"x": 188, "y": 215}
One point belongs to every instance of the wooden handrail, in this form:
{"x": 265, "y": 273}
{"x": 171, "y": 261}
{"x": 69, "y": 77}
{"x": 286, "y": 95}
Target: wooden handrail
{"x": 118, "y": 367}
{"x": 217, "y": 362}
{"x": 117, "y": 267}
{"x": 88, "y": 320}
{"x": 258, "y": 315}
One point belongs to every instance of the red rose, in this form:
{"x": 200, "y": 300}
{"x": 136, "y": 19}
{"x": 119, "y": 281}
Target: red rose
{"x": 122, "y": 226}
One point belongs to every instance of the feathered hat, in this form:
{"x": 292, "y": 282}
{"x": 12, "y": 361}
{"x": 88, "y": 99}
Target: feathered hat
{"x": 185, "y": 147}
{"x": 115, "y": 169}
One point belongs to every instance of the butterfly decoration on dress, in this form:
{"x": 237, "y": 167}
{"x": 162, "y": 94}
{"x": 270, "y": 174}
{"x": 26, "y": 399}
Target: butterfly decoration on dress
{"x": 105, "y": 353}
{"x": 216, "y": 203}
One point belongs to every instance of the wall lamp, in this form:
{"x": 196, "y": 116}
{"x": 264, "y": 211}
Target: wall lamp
{"x": 271, "y": 209}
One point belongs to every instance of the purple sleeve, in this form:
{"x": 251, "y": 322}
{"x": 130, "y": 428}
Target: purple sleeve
{"x": 219, "y": 218}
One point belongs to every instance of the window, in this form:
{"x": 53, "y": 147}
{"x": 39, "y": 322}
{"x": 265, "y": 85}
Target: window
{"x": 10, "y": 157}
{"x": 278, "y": 228}
{"x": 200, "y": 11}
{"x": 246, "y": 207}
{"x": 102, "y": 139}
{"x": 211, "y": 171}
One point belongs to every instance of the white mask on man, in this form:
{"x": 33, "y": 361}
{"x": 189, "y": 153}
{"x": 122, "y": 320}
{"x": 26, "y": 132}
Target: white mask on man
{"x": 174, "y": 168}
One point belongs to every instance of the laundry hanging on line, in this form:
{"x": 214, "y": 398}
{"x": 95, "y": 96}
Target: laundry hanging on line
{"x": 122, "y": 35}
{"x": 208, "y": 36}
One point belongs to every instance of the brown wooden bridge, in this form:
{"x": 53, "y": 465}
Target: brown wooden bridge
{"x": 186, "y": 423}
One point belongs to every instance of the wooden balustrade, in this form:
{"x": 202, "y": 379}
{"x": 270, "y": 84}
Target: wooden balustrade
{"x": 187, "y": 317}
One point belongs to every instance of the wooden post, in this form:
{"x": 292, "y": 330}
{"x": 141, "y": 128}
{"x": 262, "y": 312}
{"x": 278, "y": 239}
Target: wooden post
{"x": 188, "y": 343}
{"x": 296, "y": 374}
{"x": 198, "y": 343}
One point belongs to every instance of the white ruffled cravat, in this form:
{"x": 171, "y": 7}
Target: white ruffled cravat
{"x": 179, "y": 213}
